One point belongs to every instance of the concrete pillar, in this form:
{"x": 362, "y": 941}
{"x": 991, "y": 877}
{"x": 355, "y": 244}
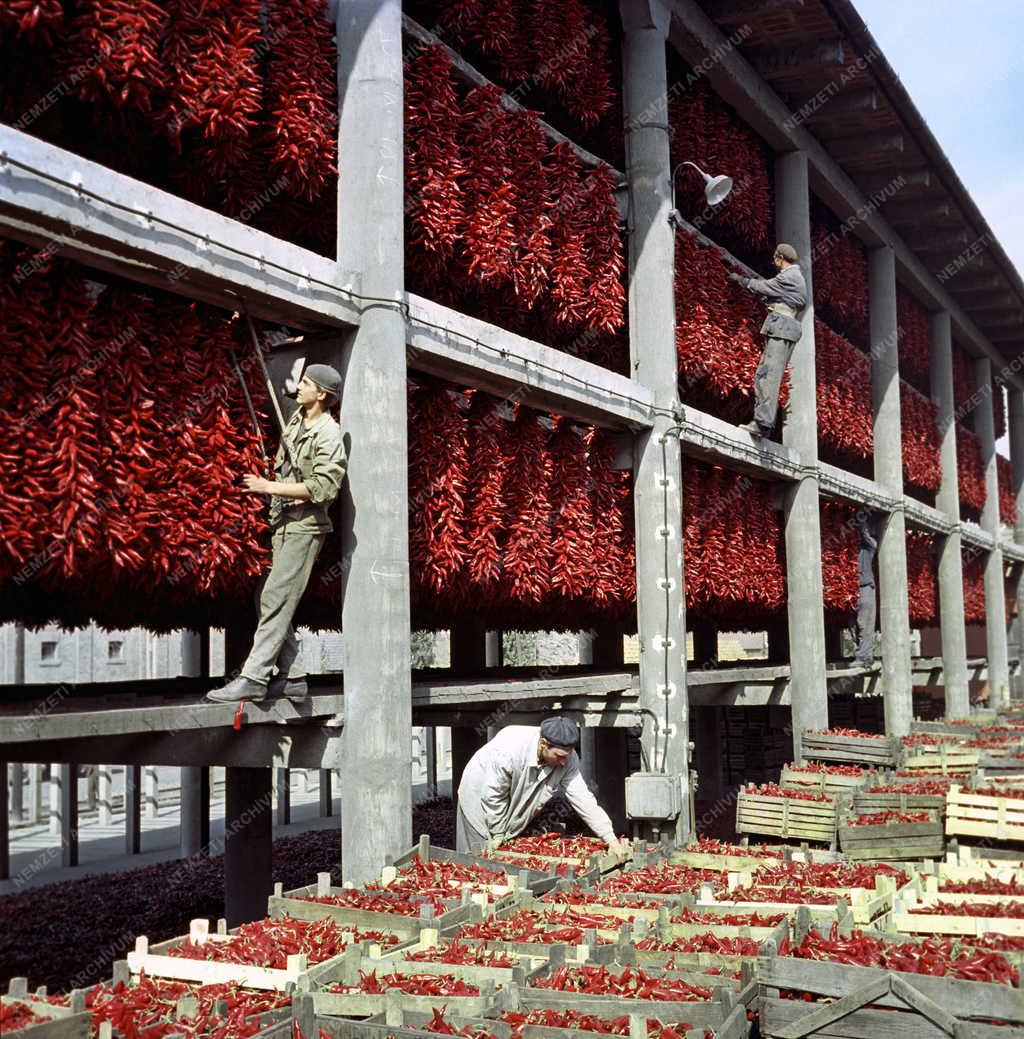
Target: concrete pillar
{"x": 377, "y": 763}
{"x": 326, "y": 807}
{"x": 248, "y": 842}
{"x": 588, "y": 755}
{"x": 995, "y": 587}
{"x": 430, "y": 755}
{"x": 893, "y": 598}
{"x": 35, "y": 793}
{"x": 1016, "y": 435}
{"x": 151, "y": 792}
{"x": 195, "y": 811}
{"x": 283, "y": 789}
{"x": 950, "y": 558}
{"x": 133, "y": 809}
{"x": 68, "y": 794}
{"x": 17, "y": 801}
{"x": 466, "y": 741}
{"x": 105, "y": 794}
{"x": 493, "y": 656}
{"x": 54, "y": 798}
{"x": 5, "y": 825}
{"x": 802, "y": 517}
{"x": 657, "y": 487}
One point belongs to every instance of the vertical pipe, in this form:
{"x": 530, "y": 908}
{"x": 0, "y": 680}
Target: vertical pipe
{"x": 5, "y": 826}
{"x": 326, "y": 797}
{"x": 55, "y": 800}
{"x": 69, "y": 814}
{"x": 133, "y": 809}
{"x": 1016, "y": 433}
{"x": 804, "y": 610}
{"x": 430, "y": 735}
{"x": 995, "y": 586}
{"x": 894, "y": 602}
{"x": 377, "y": 737}
{"x": 950, "y": 559}
{"x": 657, "y": 483}
{"x": 195, "y": 803}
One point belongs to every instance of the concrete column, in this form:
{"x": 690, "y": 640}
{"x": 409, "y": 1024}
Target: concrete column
{"x": 326, "y": 807}
{"x": 950, "y": 560}
{"x": 68, "y": 793}
{"x": 804, "y": 610}
{"x": 35, "y": 793}
{"x": 1016, "y": 434}
{"x": 151, "y": 791}
{"x": 105, "y": 794}
{"x": 493, "y": 656}
{"x": 588, "y": 755}
{"x": 377, "y": 737}
{"x": 5, "y": 825}
{"x": 657, "y": 487}
{"x": 893, "y": 599}
{"x": 195, "y": 811}
{"x": 430, "y": 755}
{"x": 248, "y": 842}
{"x": 133, "y": 809}
{"x": 54, "y": 799}
{"x": 283, "y": 789}
{"x": 17, "y": 802}
{"x": 995, "y": 588}
{"x": 466, "y": 741}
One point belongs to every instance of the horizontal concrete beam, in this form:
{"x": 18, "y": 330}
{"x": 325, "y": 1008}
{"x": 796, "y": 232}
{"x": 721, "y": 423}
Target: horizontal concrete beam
{"x": 709, "y": 439}
{"x": 972, "y": 534}
{"x": 851, "y": 102}
{"x": 496, "y": 694}
{"x": 467, "y": 350}
{"x": 849, "y": 487}
{"x": 924, "y": 516}
{"x": 916, "y": 213}
{"x": 801, "y": 61}
{"x": 861, "y": 149}
{"x": 79, "y": 210}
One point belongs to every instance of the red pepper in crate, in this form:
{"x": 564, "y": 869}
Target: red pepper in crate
{"x": 774, "y": 790}
{"x": 380, "y": 903}
{"x": 888, "y": 816}
{"x": 577, "y": 896}
{"x": 17, "y": 1015}
{"x": 713, "y": 846}
{"x": 573, "y": 1019}
{"x": 413, "y": 984}
{"x": 984, "y": 909}
{"x": 631, "y": 983}
{"x": 819, "y": 768}
{"x": 662, "y": 880}
{"x": 1015, "y": 792}
{"x": 988, "y": 886}
{"x": 923, "y": 786}
{"x": 708, "y": 942}
{"x": 439, "y": 1025}
{"x": 830, "y": 874}
{"x": 848, "y": 732}
{"x": 456, "y": 952}
{"x": 556, "y": 845}
{"x": 694, "y": 916}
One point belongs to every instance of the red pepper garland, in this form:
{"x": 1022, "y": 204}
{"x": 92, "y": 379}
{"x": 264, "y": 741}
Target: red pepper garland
{"x": 914, "y": 341}
{"x": 32, "y": 20}
{"x": 970, "y": 471}
{"x": 839, "y": 547}
{"x": 840, "y": 276}
{"x": 705, "y": 130}
{"x": 300, "y": 97}
{"x": 845, "y": 418}
{"x": 533, "y": 256}
{"x": 922, "y": 578}
{"x": 613, "y": 587}
{"x": 1007, "y": 499}
{"x": 572, "y": 526}
{"x": 919, "y": 419}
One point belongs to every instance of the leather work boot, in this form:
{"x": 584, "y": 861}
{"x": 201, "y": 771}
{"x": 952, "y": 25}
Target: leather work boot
{"x": 295, "y": 689}
{"x": 754, "y": 429}
{"x": 240, "y": 688}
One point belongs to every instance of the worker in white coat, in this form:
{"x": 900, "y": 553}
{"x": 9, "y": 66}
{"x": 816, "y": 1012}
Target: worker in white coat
{"x": 511, "y": 778}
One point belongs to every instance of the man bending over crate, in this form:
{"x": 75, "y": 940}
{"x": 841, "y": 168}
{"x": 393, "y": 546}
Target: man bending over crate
{"x": 510, "y": 779}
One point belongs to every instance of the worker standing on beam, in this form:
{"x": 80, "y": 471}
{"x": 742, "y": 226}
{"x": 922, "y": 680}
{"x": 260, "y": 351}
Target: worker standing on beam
{"x": 510, "y": 779}
{"x": 786, "y": 296}
{"x": 866, "y": 601}
{"x": 310, "y": 467}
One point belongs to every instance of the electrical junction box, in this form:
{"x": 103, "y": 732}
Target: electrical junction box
{"x": 654, "y": 795}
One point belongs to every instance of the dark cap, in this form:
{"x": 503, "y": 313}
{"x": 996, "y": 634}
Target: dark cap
{"x": 560, "y": 732}
{"x": 787, "y": 252}
{"x": 326, "y": 377}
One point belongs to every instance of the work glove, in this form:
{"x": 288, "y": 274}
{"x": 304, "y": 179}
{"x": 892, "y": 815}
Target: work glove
{"x": 737, "y": 277}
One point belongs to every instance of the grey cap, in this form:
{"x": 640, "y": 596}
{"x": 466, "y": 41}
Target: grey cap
{"x": 560, "y": 732}
{"x": 787, "y": 252}
{"x": 326, "y": 377}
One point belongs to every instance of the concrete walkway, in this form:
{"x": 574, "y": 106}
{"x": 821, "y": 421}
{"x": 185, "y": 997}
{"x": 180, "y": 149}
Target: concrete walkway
{"x": 35, "y": 851}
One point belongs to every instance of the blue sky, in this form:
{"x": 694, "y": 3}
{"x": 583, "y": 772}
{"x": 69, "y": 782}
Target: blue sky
{"x": 963, "y": 65}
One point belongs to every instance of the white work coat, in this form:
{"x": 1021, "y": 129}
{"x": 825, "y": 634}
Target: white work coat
{"x": 505, "y": 786}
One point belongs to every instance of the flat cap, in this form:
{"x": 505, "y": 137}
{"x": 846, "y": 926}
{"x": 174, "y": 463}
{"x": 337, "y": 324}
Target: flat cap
{"x": 787, "y": 252}
{"x": 560, "y": 732}
{"x": 326, "y": 377}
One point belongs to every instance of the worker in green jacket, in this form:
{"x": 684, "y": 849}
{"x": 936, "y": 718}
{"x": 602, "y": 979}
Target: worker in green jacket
{"x": 300, "y": 498}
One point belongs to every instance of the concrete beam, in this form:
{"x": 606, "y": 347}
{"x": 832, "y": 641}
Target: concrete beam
{"x": 802, "y": 512}
{"x": 851, "y": 103}
{"x": 945, "y": 241}
{"x": 472, "y": 352}
{"x": 53, "y": 198}
{"x": 377, "y": 738}
{"x": 916, "y": 213}
{"x": 925, "y": 517}
{"x": 799, "y": 62}
{"x": 888, "y": 458}
{"x": 950, "y": 557}
{"x": 695, "y": 35}
{"x": 865, "y": 149}
{"x": 915, "y": 182}
{"x": 978, "y": 282}
{"x": 657, "y": 487}
{"x": 853, "y": 488}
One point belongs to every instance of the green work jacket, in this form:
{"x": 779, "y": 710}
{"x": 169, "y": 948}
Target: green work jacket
{"x": 320, "y": 457}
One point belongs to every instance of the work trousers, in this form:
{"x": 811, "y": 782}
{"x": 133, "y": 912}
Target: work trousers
{"x": 467, "y": 839}
{"x": 866, "y": 606}
{"x": 293, "y": 555}
{"x": 768, "y": 381}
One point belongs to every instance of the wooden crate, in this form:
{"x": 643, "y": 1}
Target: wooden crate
{"x": 872, "y": 752}
{"x": 944, "y": 760}
{"x": 863, "y": 801}
{"x": 823, "y": 782}
{"x": 536, "y": 881}
{"x": 865, "y": 1002}
{"x": 52, "y": 1022}
{"x": 786, "y": 817}
{"x": 894, "y": 841}
{"x": 979, "y": 815}
{"x": 296, "y": 904}
{"x": 949, "y": 923}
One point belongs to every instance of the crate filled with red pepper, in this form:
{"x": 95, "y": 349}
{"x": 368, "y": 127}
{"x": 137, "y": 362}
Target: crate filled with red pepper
{"x": 993, "y": 813}
{"x": 859, "y": 985}
{"x": 444, "y": 880}
{"x": 582, "y": 853}
{"x": 910, "y": 795}
{"x": 788, "y": 813}
{"x": 825, "y": 779}
{"x": 401, "y": 913}
{"x": 893, "y": 833}
{"x": 453, "y": 957}
{"x": 548, "y": 1023}
{"x": 850, "y": 746}
{"x": 941, "y": 914}
{"x": 35, "y": 1017}
{"x": 430, "y": 856}
{"x": 268, "y": 953}
{"x": 537, "y": 925}
{"x": 369, "y": 991}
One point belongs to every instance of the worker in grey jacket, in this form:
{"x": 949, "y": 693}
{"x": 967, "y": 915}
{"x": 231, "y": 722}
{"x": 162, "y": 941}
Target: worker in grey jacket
{"x": 786, "y": 297}
{"x": 510, "y": 779}
{"x": 866, "y": 601}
